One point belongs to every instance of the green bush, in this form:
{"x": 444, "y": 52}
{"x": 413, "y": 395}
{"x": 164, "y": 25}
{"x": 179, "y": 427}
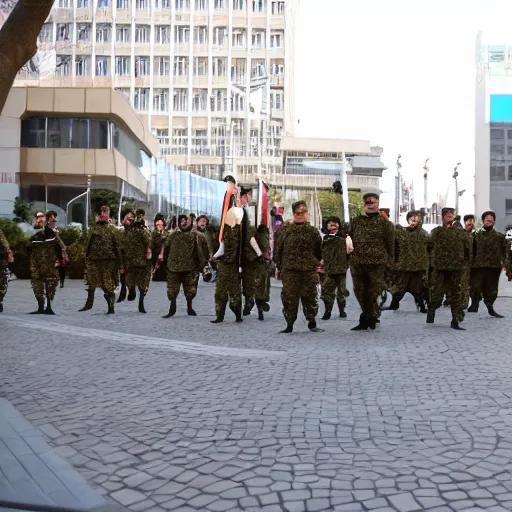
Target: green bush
{"x": 18, "y": 243}
{"x": 69, "y": 235}
{"x": 76, "y": 255}
{"x": 12, "y": 231}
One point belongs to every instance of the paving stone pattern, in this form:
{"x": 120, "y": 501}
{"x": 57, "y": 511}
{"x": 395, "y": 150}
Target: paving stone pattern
{"x": 406, "y": 418}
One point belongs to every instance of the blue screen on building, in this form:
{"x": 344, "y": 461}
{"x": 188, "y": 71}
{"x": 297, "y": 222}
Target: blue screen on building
{"x": 501, "y": 108}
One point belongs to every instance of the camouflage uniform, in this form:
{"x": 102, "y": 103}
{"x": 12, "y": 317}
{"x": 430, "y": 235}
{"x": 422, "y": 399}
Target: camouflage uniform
{"x": 228, "y": 276}
{"x": 373, "y": 237}
{"x": 297, "y": 255}
{"x": 102, "y": 261}
{"x": 158, "y": 240}
{"x": 411, "y": 256}
{"x": 334, "y": 254}
{"x": 490, "y": 254}
{"x": 45, "y": 249}
{"x": 450, "y": 254}
{"x": 4, "y": 260}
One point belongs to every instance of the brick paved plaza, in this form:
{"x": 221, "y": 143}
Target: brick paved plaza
{"x": 180, "y": 414}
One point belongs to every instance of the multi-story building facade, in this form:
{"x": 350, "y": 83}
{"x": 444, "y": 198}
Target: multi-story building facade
{"x": 212, "y": 77}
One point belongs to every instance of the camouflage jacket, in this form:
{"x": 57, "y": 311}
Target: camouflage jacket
{"x": 187, "y": 251}
{"x": 4, "y": 248}
{"x": 449, "y": 248}
{"x": 373, "y": 237}
{"x": 263, "y": 241}
{"x": 45, "y": 249}
{"x": 490, "y": 249}
{"x": 211, "y": 240}
{"x": 158, "y": 239}
{"x": 103, "y": 243}
{"x": 231, "y": 239}
{"x": 299, "y": 247}
{"x": 136, "y": 242}
{"x": 334, "y": 253}
{"x": 411, "y": 253}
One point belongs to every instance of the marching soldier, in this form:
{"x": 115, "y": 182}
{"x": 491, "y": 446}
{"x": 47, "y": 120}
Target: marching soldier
{"x": 51, "y": 217}
{"x": 158, "y": 239}
{"x": 450, "y": 252}
{"x": 297, "y": 255}
{"x": 136, "y": 256}
{"x": 103, "y": 260}
{"x": 128, "y": 217}
{"x": 187, "y": 255}
{"x": 4, "y": 268}
{"x": 260, "y": 268}
{"x": 335, "y": 264}
{"x": 203, "y": 226}
{"x": 490, "y": 256}
{"x": 373, "y": 237}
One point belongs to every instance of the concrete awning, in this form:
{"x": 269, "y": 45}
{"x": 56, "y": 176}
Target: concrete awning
{"x": 352, "y": 147}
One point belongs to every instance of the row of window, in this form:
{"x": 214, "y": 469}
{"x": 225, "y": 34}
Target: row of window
{"x": 497, "y": 172}
{"x": 257, "y": 6}
{"x": 64, "y": 32}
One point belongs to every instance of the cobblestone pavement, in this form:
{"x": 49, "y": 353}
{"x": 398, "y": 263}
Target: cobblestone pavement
{"x": 180, "y": 414}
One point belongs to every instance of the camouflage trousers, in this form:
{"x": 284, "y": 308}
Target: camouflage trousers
{"x": 369, "y": 283}
{"x": 103, "y": 274}
{"x": 412, "y": 282}
{"x": 299, "y": 286}
{"x": 467, "y": 272}
{"x": 255, "y": 281}
{"x": 44, "y": 283}
{"x": 484, "y": 283}
{"x": 4, "y": 282}
{"x": 227, "y": 287}
{"x": 451, "y": 283}
{"x": 138, "y": 277}
{"x": 334, "y": 287}
{"x": 189, "y": 281}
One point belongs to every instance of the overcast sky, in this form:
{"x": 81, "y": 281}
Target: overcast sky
{"x": 400, "y": 73}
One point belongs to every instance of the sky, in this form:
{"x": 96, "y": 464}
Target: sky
{"x": 400, "y": 73}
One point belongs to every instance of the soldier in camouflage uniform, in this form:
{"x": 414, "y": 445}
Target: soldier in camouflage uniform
{"x": 335, "y": 263}
{"x": 187, "y": 255}
{"x": 373, "y": 237}
{"x": 127, "y": 216}
{"x": 136, "y": 256}
{"x": 158, "y": 239}
{"x": 4, "y": 269}
{"x": 261, "y": 271}
{"x": 411, "y": 256}
{"x": 203, "y": 226}
{"x": 297, "y": 255}
{"x": 45, "y": 250}
{"x": 103, "y": 261}
{"x": 491, "y": 251}
{"x": 451, "y": 252}
{"x": 228, "y": 268}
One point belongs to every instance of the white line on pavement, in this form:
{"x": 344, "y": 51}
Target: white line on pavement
{"x": 135, "y": 339}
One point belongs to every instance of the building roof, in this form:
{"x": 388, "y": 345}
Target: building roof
{"x": 367, "y": 162}
{"x": 361, "y": 147}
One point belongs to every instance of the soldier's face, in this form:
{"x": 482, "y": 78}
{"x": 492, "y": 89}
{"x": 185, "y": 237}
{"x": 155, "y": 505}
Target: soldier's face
{"x": 128, "y": 219}
{"x": 183, "y": 223}
{"x": 449, "y": 217}
{"x": 159, "y": 224}
{"x": 40, "y": 220}
{"x": 470, "y": 225}
{"x": 202, "y": 223}
{"x": 413, "y": 222}
{"x": 52, "y": 221}
{"x": 488, "y": 221}
{"x": 245, "y": 199}
{"x": 332, "y": 227}
{"x": 300, "y": 214}
{"x": 371, "y": 205}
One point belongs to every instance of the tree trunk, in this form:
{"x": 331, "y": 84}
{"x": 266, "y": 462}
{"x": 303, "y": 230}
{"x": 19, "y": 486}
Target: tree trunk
{"x": 18, "y": 40}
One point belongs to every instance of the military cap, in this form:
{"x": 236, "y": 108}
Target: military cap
{"x": 140, "y": 212}
{"x": 229, "y": 179}
{"x": 181, "y": 217}
{"x": 489, "y": 212}
{"x": 336, "y": 220}
{"x": 245, "y": 191}
{"x": 297, "y": 204}
{"x": 51, "y": 213}
{"x": 470, "y": 216}
{"x": 457, "y": 218}
{"x": 412, "y": 214}
{"x": 446, "y": 210}
{"x": 159, "y": 216}
{"x": 370, "y": 194}
{"x": 126, "y": 211}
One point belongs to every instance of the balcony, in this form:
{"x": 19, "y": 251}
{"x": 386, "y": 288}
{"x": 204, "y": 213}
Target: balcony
{"x": 181, "y": 48}
{"x": 142, "y": 16}
{"x": 159, "y": 80}
{"x": 83, "y": 15}
{"x": 61, "y": 15}
{"x": 102, "y": 81}
{"x": 219, "y": 81}
{"x": 180, "y": 80}
{"x": 142, "y": 81}
{"x": 122, "y": 81}
{"x": 123, "y": 16}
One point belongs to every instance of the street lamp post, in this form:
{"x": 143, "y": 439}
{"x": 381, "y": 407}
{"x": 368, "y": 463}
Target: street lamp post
{"x": 398, "y": 181}
{"x": 455, "y": 176}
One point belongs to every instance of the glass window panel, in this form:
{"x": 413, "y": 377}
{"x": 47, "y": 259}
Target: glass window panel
{"x": 33, "y": 132}
{"x": 59, "y": 132}
{"x": 80, "y": 133}
{"x": 98, "y": 134}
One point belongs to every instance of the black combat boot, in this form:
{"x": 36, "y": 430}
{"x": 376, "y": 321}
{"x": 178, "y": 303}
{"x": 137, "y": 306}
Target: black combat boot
{"x": 474, "y": 305}
{"x": 363, "y": 323}
{"x": 372, "y": 322}
{"x": 89, "y": 302}
{"x": 238, "y": 313}
{"x": 49, "y": 310}
{"x": 172, "y": 309}
{"x": 122, "y": 294}
{"x": 395, "y": 304}
{"x": 190, "y": 309}
{"x": 249, "y": 304}
{"x": 220, "y": 310}
{"x": 111, "y": 300}
{"x": 490, "y": 309}
{"x": 259, "y": 306}
{"x": 141, "y": 303}
{"x": 1, "y": 307}
{"x": 40, "y": 308}
{"x": 328, "y": 310}
{"x": 342, "y": 312}
{"x": 132, "y": 293}
{"x": 312, "y": 326}
{"x": 289, "y": 329}
{"x": 431, "y": 316}
{"x": 455, "y": 325}
{"x": 420, "y": 304}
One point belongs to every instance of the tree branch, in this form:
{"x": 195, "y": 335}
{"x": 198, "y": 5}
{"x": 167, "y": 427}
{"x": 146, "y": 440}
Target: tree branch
{"x": 18, "y": 40}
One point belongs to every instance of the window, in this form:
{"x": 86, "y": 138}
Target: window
{"x": 123, "y": 66}
{"x": 181, "y": 34}
{"x": 64, "y": 31}
{"x": 220, "y": 4}
{"x": 80, "y": 133}
{"x": 63, "y": 65}
{"x": 239, "y": 36}
{"x": 141, "y": 66}
{"x": 98, "y": 134}
{"x": 163, "y": 4}
{"x": 66, "y": 4}
{"x": 238, "y": 5}
{"x": 497, "y": 173}
{"x": 220, "y": 36}
{"x": 180, "y": 102}
{"x": 141, "y": 99}
{"x": 142, "y": 4}
{"x": 201, "y": 35}
{"x": 123, "y": 4}
{"x": 258, "y": 39}
{"x": 162, "y": 34}
{"x": 33, "y": 132}
{"x": 219, "y": 101}
{"x": 142, "y": 34}
{"x": 279, "y": 101}
{"x": 161, "y": 66}
{"x": 276, "y": 69}
{"x": 127, "y": 147}
{"x": 46, "y": 34}
{"x": 179, "y": 141}
{"x": 82, "y": 66}
{"x": 124, "y": 91}
{"x": 277, "y": 8}
{"x": 102, "y": 66}
{"x": 238, "y": 70}
{"x": 258, "y": 69}
{"x": 201, "y": 5}
{"x": 102, "y": 34}
{"x": 259, "y": 6}
{"x": 161, "y": 100}
{"x": 103, "y": 4}
{"x": 200, "y": 142}
{"x": 58, "y": 132}
{"x": 182, "y": 5}
{"x": 162, "y": 134}
{"x": 508, "y": 206}
{"x": 237, "y": 103}
{"x": 497, "y": 149}
{"x": 510, "y": 173}
{"x": 497, "y": 134}
{"x": 83, "y": 31}
{"x": 83, "y": 4}
{"x": 180, "y": 66}
{"x": 276, "y": 39}
{"x": 122, "y": 33}
{"x": 218, "y": 66}
{"x": 200, "y": 66}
